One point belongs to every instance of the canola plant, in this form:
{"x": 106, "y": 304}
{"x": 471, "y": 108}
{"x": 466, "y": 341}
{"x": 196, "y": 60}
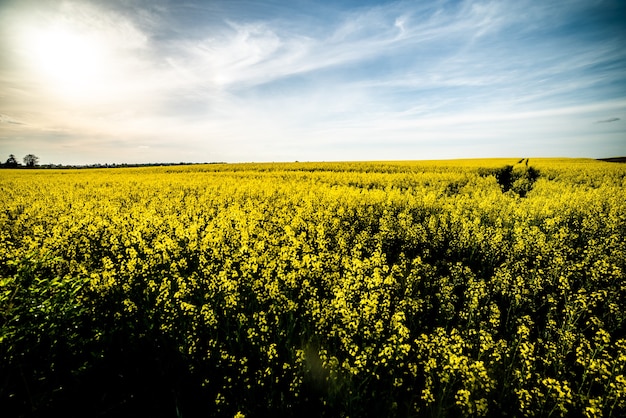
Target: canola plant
{"x": 432, "y": 288}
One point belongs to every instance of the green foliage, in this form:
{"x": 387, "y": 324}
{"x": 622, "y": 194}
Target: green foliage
{"x": 520, "y": 180}
{"x": 362, "y": 289}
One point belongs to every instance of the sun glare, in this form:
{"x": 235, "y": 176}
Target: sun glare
{"x": 72, "y": 64}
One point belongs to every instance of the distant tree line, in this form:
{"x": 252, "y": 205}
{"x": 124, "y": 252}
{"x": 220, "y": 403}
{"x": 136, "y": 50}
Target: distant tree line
{"x": 30, "y": 161}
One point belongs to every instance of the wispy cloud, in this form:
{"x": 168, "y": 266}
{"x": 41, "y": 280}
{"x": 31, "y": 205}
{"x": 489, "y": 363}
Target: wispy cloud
{"x": 609, "y": 120}
{"x": 9, "y": 119}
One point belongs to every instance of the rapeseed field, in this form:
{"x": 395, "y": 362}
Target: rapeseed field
{"x": 428, "y": 288}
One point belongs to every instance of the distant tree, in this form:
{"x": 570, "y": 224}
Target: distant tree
{"x": 31, "y": 160}
{"x": 11, "y": 162}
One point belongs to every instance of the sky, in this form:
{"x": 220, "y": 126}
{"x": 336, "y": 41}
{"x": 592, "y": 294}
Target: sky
{"x": 145, "y": 81}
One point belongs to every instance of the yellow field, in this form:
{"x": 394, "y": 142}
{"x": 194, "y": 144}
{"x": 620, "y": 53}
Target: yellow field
{"x": 427, "y": 288}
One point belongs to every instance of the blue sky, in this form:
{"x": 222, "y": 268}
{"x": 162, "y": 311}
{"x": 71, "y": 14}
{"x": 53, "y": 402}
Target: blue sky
{"x": 166, "y": 81}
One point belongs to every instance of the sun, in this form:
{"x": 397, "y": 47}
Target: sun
{"x": 68, "y": 62}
